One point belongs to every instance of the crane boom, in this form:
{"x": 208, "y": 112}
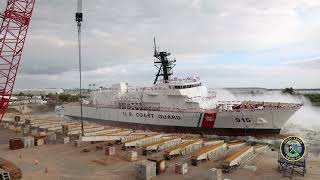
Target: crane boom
{"x": 13, "y": 32}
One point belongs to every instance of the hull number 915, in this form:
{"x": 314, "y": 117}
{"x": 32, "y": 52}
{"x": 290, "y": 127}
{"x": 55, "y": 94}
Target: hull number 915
{"x": 242, "y": 119}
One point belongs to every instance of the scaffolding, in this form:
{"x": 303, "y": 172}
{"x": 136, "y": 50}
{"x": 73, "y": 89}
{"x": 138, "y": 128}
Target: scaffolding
{"x": 288, "y": 168}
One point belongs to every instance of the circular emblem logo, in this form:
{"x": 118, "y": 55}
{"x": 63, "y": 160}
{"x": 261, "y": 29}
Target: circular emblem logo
{"x": 292, "y": 148}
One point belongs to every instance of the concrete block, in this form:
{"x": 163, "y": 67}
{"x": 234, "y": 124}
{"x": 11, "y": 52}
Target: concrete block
{"x": 215, "y": 174}
{"x": 145, "y": 170}
{"x": 181, "y": 168}
{"x": 110, "y": 151}
{"x": 160, "y": 163}
{"x": 132, "y": 156}
{"x": 66, "y": 140}
{"x": 28, "y": 141}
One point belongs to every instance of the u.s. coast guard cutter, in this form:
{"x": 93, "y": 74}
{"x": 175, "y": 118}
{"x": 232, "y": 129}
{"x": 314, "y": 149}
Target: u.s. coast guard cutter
{"x": 181, "y": 105}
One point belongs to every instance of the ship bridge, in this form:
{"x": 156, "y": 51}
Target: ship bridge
{"x": 190, "y": 82}
{"x": 187, "y": 87}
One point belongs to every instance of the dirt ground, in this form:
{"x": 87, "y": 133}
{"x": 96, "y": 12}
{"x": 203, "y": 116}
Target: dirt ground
{"x": 66, "y": 162}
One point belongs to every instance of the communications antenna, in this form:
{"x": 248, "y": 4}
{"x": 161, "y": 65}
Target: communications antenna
{"x": 163, "y": 64}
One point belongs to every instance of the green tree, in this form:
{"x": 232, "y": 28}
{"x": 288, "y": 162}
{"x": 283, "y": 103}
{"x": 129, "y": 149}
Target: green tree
{"x": 68, "y": 98}
{"x": 314, "y": 98}
{"x": 288, "y": 91}
{"x": 21, "y": 94}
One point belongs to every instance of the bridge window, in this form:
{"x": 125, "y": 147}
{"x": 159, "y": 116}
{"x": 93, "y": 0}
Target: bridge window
{"x": 187, "y": 86}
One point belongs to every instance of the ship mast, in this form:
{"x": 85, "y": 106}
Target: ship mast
{"x": 163, "y": 64}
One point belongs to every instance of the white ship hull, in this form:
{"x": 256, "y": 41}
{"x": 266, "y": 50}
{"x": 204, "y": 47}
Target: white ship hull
{"x": 245, "y": 122}
{"x": 181, "y": 105}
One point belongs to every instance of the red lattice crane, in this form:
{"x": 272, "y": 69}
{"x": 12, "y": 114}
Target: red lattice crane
{"x": 13, "y": 32}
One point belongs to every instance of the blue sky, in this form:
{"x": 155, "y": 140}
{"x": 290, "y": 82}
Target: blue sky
{"x": 272, "y": 44}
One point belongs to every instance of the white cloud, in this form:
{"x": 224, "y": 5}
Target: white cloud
{"x": 117, "y": 39}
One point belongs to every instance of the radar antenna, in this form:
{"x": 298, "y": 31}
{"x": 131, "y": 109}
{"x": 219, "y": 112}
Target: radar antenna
{"x": 163, "y": 64}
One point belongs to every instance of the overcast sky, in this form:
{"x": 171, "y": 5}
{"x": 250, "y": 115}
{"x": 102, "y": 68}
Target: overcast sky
{"x": 228, "y": 43}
